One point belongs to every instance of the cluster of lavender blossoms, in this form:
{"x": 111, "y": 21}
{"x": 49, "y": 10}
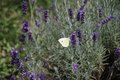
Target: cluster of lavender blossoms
{"x": 25, "y": 7}
{"x": 77, "y": 61}
{"x": 19, "y": 64}
{"x": 105, "y": 21}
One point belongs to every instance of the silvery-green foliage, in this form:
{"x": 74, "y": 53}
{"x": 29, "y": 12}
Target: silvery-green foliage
{"x": 56, "y": 61}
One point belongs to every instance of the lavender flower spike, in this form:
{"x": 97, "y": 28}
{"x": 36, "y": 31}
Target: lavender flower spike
{"x": 75, "y": 67}
{"x": 106, "y": 20}
{"x": 13, "y": 77}
{"x": 30, "y": 36}
{"x": 25, "y": 27}
{"x": 117, "y": 54}
{"x": 22, "y": 38}
{"x": 32, "y": 76}
{"x": 100, "y": 11}
{"x": 14, "y": 53}
{"x": 27, "y": 57}
{"x": 80, "y": 15}
{"x": 37, "y": 23}
{"x": 79, "y": 35}
{"x": 95, "y": 36}
{"x": 70, "y": 12}
{"x": 46, "y": 16}
{"x": 22, "y": 50}
{"x": 118, "y": 51}
{"x": 42, "y": 76}
{"x": 73, "y": 39}
{"x": 85, "y": 2}
{"x": 24, "y": 7}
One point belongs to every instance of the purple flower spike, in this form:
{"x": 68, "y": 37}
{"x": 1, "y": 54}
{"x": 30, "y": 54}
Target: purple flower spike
{"x": 22, "y": 38}
{"x": 117, "y": 54}
{"x": 46, "y": 16}
{"x": 14, "y": 53}
{"x": 42, "y": 76}
{"x": 79, "y": 35}
{"x": 13, "y": 77}
{"x": 14, "y": 56}
{"x": 106, "y": 20}
{"x": 73, "y": 39}
{"x": 85, "y": 2}
{"x": 27, "y": 57}
{"x": 24, "y": 7}
{"x": 100, "y": 12}
{"x": 24, "y": 72}
{"x": 30, "y": 36}
{"x": 95, "y": 36}
{"x": 25, "y": 27}
{"x": 81, "y": 15}
{"x": 41, "y": 8}
{"x": 18, "y": 63}
{"x": 22, "y": 50}
{"x": 75, "y": 67}
{"x": 118, "y": 51}
{"x": 70, "y": 12}
{"x": 37, "y": 23}
{"x": 32, "y": 76}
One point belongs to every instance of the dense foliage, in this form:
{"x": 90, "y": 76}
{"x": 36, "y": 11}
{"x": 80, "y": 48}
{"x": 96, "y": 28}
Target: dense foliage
{"x": 72, "y": 40}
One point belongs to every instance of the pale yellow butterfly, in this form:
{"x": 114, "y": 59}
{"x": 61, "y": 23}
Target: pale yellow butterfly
{"x": 64, "y": 42}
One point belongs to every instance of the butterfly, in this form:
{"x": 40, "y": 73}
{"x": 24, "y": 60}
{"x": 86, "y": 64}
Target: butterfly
{"x": 64, "y": 42}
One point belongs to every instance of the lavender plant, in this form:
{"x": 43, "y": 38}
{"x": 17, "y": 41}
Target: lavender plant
{"x": 46, "y": 59}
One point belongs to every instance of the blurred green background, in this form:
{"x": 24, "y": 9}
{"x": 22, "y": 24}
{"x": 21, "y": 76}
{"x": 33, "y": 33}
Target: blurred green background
{"x": 10, "y": 16}
{"x": 10, "y": 22}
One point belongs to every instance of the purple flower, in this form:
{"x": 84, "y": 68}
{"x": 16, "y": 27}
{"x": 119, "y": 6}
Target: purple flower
{"x": 32, "y": 76}
{"x": 75, "y": 67}
{"x": 39, "y": 10}
{"x": 85, "y": 2}
{"x": 15, "y": 60}
{"x": 118, "y": 51}
{"x": 13, "y": 77}
{"x": 22, "y": 38}
{"x": 30, "y": 36}
{"x": 105, "y": 21}
{"x": 27, "y": 57}
{"x": 24, "y": 7}
{"x": 100, "y": 12}
{"x": 117, "y": 54}
{"x": 25, "y": 72}
{"x": 70, "y": 12}
{"x": 42, "y": 76}
{"x": 95, "y": 36}
{"x": 73, "y": 39}
{"x": 22, "y": 50}
{"x": 81, "y": 15}
{"x": 25, "y": 27}
{"x": 79, "y": 35}
{"x": 45, "y": 16}
{"x": 14, "y": 53}
{"x": 37, "y": 23}
{"x": 18, "y": 63}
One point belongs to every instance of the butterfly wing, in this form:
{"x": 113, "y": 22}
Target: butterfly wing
{"x": 64, "y": 42}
